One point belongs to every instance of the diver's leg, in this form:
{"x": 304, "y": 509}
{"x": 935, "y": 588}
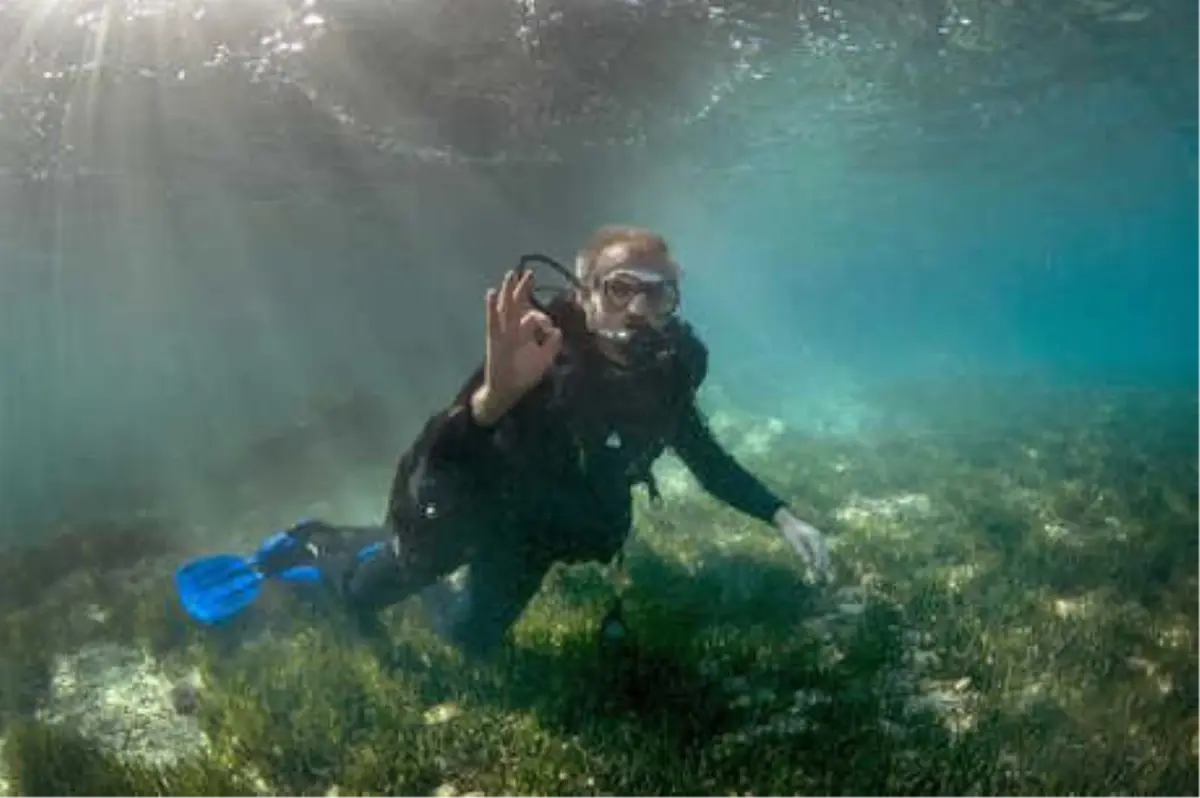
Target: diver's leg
{"x": 501, "y": 581}
{"x": 365, "y": 570}
{"x": 420, "y": 550}
{"x": 434, "y": 519}
{"x": 314, "y": 542}
{"x": 389, "y": 577}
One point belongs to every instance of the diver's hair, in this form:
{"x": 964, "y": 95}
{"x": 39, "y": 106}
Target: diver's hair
{"x": 639, "y": 241}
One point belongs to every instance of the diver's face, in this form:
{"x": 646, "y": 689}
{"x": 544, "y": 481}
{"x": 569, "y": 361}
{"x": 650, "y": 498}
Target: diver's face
{"x": 627, "y": 291}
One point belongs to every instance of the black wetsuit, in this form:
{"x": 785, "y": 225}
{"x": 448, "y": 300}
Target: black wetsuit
{"x": 549, "y": 482}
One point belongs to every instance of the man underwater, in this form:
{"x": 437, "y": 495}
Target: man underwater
{"x": 533, "y": 462}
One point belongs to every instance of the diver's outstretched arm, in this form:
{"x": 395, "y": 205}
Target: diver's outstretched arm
{"x": 718, "y": 472}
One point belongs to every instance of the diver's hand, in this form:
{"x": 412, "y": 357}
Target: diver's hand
{"x": 522, "y": 343}
{"x": 808, "y": 542}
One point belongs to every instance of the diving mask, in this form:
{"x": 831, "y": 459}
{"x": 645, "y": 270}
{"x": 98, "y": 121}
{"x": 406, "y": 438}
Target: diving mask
{"x": 646, "y": 344}
{"x": 621, "y": 286}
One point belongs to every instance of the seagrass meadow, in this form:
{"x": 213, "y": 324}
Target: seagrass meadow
{"x": 1015, "y": 612}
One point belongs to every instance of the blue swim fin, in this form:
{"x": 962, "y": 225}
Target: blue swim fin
{"x": 217, "y": 587}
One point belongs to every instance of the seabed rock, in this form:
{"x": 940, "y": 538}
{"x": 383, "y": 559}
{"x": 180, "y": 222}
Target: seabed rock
{"x": 862, "y": 510}
{"x": 121, "y": 699}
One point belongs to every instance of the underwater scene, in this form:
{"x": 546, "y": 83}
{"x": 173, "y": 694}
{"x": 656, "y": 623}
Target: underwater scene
{"x": 606, "y": 397}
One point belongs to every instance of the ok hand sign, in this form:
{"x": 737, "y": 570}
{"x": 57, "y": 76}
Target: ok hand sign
{"x": 522, "y": 343}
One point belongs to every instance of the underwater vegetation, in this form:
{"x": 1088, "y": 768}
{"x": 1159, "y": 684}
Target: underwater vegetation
{"x": 1016, "y": 613}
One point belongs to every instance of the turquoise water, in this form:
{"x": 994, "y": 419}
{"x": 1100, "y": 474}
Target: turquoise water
{"x": 212, "y": 220}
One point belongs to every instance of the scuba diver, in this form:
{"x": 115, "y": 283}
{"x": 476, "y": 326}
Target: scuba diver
{"x": 533, "y": 461}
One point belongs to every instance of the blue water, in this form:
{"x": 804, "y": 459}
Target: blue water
{"x": 213, "y": 273}
{"x": 1055, "y": 246}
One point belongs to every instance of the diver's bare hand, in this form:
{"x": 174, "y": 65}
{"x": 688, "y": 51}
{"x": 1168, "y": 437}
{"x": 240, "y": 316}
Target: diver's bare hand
{"x": 808, "y": 542}
{"x": 522, "y": 343}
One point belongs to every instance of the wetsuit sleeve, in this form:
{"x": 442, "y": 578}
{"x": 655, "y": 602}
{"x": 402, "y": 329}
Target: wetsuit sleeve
{"x": 716, "y": 470}
{"x": 451, "y": 449}
{"x": 453, "y": 435}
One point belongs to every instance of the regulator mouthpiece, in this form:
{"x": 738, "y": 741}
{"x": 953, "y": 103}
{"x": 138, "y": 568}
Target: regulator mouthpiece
{"x": 622, "y": 336}
{"x": 645, "y": 346}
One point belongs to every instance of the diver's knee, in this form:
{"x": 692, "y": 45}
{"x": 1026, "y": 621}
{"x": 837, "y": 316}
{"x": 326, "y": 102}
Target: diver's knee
{"x": 475, "y": 630}
{"x": 476, "y": 642}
